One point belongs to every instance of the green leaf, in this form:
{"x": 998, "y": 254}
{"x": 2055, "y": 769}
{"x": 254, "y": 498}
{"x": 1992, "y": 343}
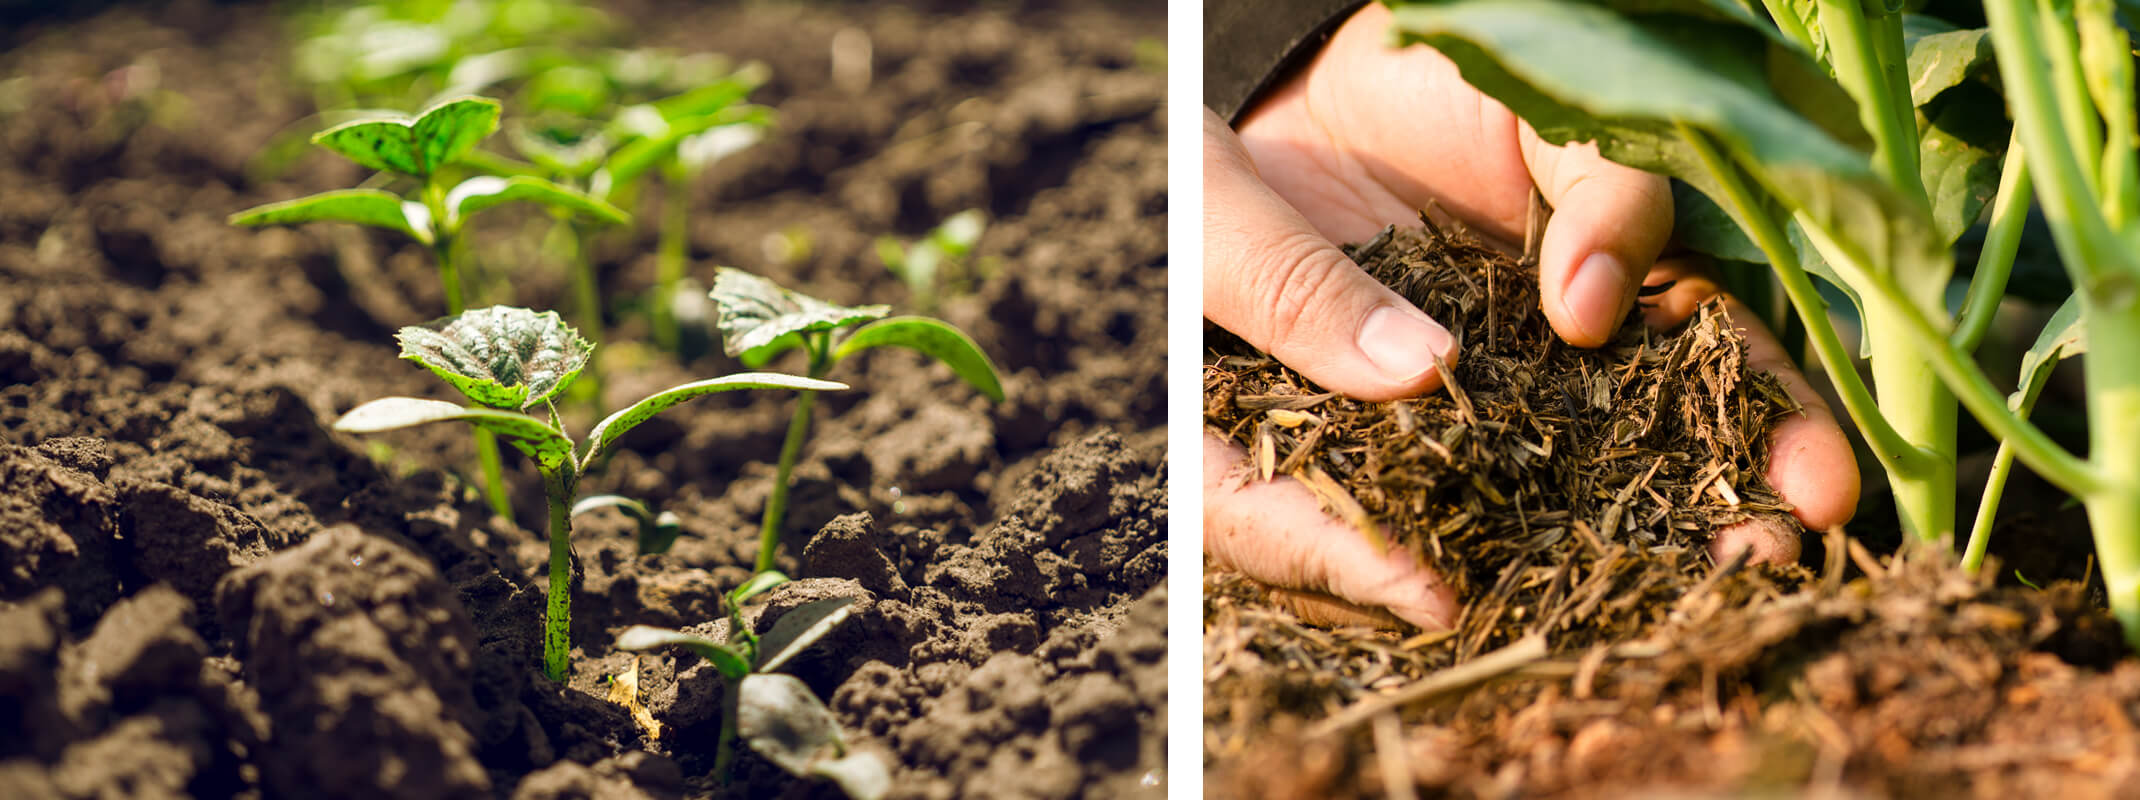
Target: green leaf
{"x": 785, "y": 722}
{"x": 934, "y": 338}
{"x": 700, "y": 151}
{"x": 501, "y": 356}
{"x": 547, "y": 445}
{"x": 416, "y": 146}
{"x": 960, "y": 232}
{"x": 710, "y": 98}
{"x": 757, "y": 584}
{"x": 1580, "y": 73}
{"x": 798, "y": 629}
{"x": 726, "y": 658}
{"x": 637, "y": 156}
{"x": 1958, "y": 152}
{"x": 570, "y": 88}
{"x": 755, "y": 312}
{"x": 617, "y": 424}
{"x": 2063, "y": 336}
{"x": 561, "y": 148}
{"x": 629, "y": 507}
{"x": 361, "y": 206}
{"x": 1699, "y": 224}
{"x": 484, "y": 191}
{"x": 1942, "y": 60}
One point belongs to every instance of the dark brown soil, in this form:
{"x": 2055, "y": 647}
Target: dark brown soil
{"x": 1623, "y": 664}
{"x": 206, "y": 592}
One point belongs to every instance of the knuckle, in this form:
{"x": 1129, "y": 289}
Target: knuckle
{"x": 1292, "y": 287}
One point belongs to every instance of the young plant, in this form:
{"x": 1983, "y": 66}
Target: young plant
{"x": 938, "y": 262}
{"x": 657, "y": 532}
{"x": 777, "y": 715}
{"x": 423, "y": 147}
{"x": 759, "y": 319}
{"x": 510, "y": 360}
{"x": 1856, "y": 142}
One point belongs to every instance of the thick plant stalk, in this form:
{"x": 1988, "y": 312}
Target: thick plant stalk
{"x": 2114, "y": 448}
{"x": 1923, "y": 411}
{"x": 557, "y": 616}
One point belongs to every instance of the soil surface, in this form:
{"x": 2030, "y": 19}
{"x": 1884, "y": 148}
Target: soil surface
{"x": 207, "y": 592}
{"x": 1599, "y": 653}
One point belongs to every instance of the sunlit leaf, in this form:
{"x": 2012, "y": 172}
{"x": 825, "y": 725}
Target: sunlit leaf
{"x": 546, "y": 444}
{"x": 501, "y": 356}
{"x": 484, "y": 191}
{"x": 361, "y": 206}
{"x": 617, "y": 424}
{"x": 934, "y": 338}
{"x": 418, "y": 146}
{"x": 725, "y": 658}
{"x": 757, "y": 584}
{"x": 796, "y": 630}
{"x": 755, "y": 312}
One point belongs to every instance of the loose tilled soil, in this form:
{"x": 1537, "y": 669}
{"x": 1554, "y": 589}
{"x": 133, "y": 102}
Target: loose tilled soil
{"x": 1567, "y": 495}
{"x": 206, "y": 592}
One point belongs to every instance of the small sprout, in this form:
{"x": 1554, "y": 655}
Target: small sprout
{"x": 760, "y": 319}
{"x": 777, "y": 715}
{"x": 657, "y": 532}
{"x": 939, "y": 261}
{"x": 513, "y": 359}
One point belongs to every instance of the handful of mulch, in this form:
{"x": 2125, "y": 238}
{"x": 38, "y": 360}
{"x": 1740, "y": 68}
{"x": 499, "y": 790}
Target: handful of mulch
{"x": 1555, "y": 488}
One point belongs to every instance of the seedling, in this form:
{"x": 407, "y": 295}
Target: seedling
{"x": 657, "y": 532}
{"x": 510, "y": 360}
{"x": 937, "y": 263}
{"x": 759, "y": 319}
{"x": 1769, "y": 119}
{"x": 423, "y": 147}
{"x": 776, "y": 714}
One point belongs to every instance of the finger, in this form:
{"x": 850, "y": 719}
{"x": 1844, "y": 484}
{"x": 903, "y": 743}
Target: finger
{"x": 1609, "y": 223}
{"x": 1772, "y": 539}
{"x": 1316, "y": 608}
{"x": 1275, "y": 532}
{"x": 1275, "y": 282}
{"x": 1810, "y": 460}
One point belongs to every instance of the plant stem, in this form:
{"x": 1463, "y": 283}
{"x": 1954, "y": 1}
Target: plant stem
{"x": 557, "y": 619}
{"x": 1923, "y": 412}
{"x": 1889, "y": 447}
{"x": 1792, "y": 27}
{"x": 2002, "y": 467}
{"x": 724, "y": 748}
{"x": 776, "y": 504}
{"x": 2114, "y": 450}
{"x": 669, "y": 259}
{"x": 1859, "y": 49}
{"x": 1995, "y": 263}
{"x": 2076, "y": 113}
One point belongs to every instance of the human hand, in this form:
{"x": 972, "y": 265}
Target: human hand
{"x": 1362, "y": 138}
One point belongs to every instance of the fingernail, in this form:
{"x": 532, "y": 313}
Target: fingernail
{"x": 1598, "y": 296}
{"x": 1402, "y": 343}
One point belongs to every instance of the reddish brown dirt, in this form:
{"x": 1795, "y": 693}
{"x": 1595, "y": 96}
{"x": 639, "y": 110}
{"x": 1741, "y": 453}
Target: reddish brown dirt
{"x": 207, "y": 592}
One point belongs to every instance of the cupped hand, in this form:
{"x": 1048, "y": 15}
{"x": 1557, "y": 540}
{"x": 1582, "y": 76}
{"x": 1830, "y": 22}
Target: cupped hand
{"x": 1364, "y": 137}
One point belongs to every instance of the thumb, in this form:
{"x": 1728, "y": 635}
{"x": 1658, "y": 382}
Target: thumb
{"x": 1609, "y": 223}
{"x": 1274, "y": 281}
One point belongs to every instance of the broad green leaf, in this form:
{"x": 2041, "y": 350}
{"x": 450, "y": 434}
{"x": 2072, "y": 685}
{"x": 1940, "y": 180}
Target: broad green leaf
{"x": 560, "y": 146}
{"x": 934, "y": 338}
{"x": 616, "y": 425}
{"x": 1578, "y": 72}
{"x": 711, "y": 97}
{"x": 2063, "y": 336}
{"x": 726, "y": 658}
{"x": 501, "y": 356}
{"x": 547, "y": 445}
{"x": 1958, "y": 152}
{"x": 754, "y": 312}
{"x": 571, "y": 88}
{"x": 1699, "y": 224}
{"x": 484, "y": 191}
{"x": 635, "y": 157}
{"x": 758, "y": 358}
{"x": 757, "y": 584}
{"x": 1941, "y": 60}
{"x": 796, "y": 630}
{"x": 361, "y": 206}
{"x": 785, "y": 722}
{"x": 416, "y": 146}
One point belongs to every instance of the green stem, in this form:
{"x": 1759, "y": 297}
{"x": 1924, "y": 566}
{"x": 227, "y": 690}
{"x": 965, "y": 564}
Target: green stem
{"x": 445, "y": 240}
{"x": 2114, "y": 448}
{"x": 2002, "y": 466}
{"x": 2076, "y": 113}
{"x": 1860, "y": 50}
{"x": 1995, "y": 263}
{"x": 669, "y": 259}
{"x": 776, "y": 505}
{"x": 557, "y": 621}
{"x": 724, "y": 748}
{"x": 1889, "y": 447}
{"x": 587, "y": 296}
{"x": 1959, "y": 372}
{"x": 1792, "y": 27}
{"x": 1923, "y": 412}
